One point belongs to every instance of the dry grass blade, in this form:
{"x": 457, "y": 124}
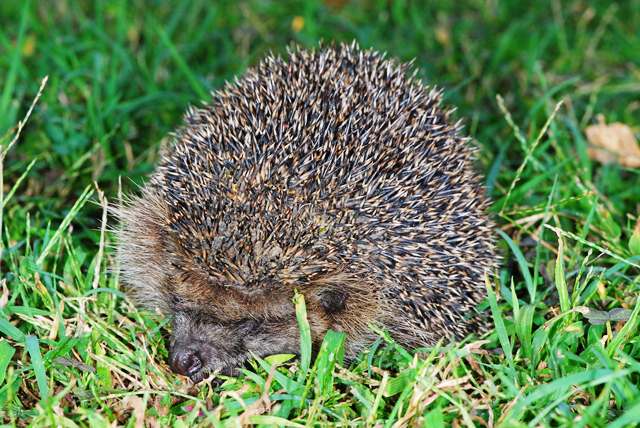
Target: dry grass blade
{"x": 532, "y": 148}
{"x": 5, "y": 150}
{"x": 25, "y": 119}
{"x": 105, "y": 207}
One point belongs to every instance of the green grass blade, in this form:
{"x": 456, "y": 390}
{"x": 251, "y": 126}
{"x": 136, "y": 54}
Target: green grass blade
{"x": 11, "y": 330}
{"x": 274, "y": 421}
{"x": 19, "y": 181}
{"x": 9, "y": 81}
{"x": 522, "y": 264}
{"x": 31, "y": 343}
{"x": 84, "y": 197}
{"x": 6, "y": 354}
{"x": 631, "y": 417}
{"x": 560, "y": 280}
{"x": 331, "y": 353}
{"x": 290, "y": 385}
{"x": 305, "y": 335}
{"x": 629, "y": 330}
{"x": 501, "y": 329}
{"x": 181, "y": 63}
{"x": 434, "y": 419}
{"x": 603, "y": 250}
{"x": 561, "y": 386}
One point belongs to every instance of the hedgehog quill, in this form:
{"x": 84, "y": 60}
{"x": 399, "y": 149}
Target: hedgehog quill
{"x": 333, "y": 172}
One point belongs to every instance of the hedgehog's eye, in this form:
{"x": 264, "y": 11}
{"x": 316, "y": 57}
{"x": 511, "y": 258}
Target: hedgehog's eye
{"x": 333, "y": 301}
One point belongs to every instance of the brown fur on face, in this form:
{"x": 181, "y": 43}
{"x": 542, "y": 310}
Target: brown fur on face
{"x": 332, "y": 173}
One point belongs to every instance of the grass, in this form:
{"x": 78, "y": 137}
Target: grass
{"x": 527, "y": 78}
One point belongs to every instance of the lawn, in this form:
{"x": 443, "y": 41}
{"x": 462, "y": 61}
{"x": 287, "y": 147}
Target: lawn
{"x": 527, "y": 79}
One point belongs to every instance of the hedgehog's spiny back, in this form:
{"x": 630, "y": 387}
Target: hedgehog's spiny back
{"x": 331, "y": 158}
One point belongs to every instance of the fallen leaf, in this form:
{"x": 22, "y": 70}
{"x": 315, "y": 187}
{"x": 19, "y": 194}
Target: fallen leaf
{"x": 613, "y": 143}
{"x": 136, "y": 404}
{"x": 596, "y": 317}
{"x": 72, "y": 362}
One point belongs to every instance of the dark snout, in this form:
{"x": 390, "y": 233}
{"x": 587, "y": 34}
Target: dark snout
{"x": 187, "y": 361}
{"x": 184, "y": 361}
{"x": 196, "y": 361}
{"x": 199, "y": 347}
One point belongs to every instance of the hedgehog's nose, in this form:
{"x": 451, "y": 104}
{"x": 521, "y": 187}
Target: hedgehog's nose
{"x": 185, "y": 361}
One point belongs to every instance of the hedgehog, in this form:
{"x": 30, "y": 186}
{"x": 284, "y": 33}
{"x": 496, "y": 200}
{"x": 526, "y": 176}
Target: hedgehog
{"x": 334, "y": 173}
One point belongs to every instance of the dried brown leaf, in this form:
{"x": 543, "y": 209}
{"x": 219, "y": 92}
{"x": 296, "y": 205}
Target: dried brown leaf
{"x": 72, "y": 362}
{"x": 137, "y": 406}
{"x": 613, "y": 143}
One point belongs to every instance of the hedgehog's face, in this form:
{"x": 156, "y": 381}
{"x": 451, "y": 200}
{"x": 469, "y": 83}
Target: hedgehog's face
{"x": 222, "y": 335}
{"x": 201, "y": 343}
{"x": 219, "y": 322}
